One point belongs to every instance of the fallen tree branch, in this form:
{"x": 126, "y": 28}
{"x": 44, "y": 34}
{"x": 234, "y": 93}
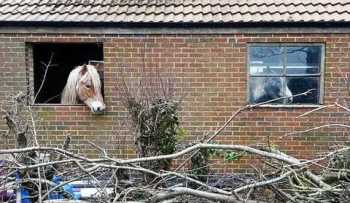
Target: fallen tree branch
{"x": 244, "y": 148}
{"x": 266, "y": 182}
{"x": 174, "y": 192}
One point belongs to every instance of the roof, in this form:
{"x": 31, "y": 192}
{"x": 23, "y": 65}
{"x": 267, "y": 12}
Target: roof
{"x": 175, "y": 11}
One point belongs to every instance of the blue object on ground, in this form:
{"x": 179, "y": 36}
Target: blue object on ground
{"x": 3, "y": 193}
{"x": 68, "y": 188}
{"x": 25, "y": 196}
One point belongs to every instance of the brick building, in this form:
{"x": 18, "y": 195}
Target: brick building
{"x": 222, "y": 54}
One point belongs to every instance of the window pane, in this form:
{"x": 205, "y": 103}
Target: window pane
{"x": 265, "y": 60}
{"x": 263, "y": 89}
{"x": 303, "y": 59}
{"x": 299, "y": 85}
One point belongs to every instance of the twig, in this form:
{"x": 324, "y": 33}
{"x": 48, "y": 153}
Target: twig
{"x": 316, "y": 128}
{"x": 47, "y": 66}
{"x": 341, "y": 106}
{"x": 314, "y": 110}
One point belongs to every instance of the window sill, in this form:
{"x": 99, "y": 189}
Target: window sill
{"x": 288, "y": 106}
{"x": 53, "y": 105}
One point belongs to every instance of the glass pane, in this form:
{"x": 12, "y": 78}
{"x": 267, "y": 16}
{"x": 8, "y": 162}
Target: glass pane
{"x": 263, "y": 89}
{"x": 265, "y": 60}
{"x": 299, "y": 85}
{"x": 303, "y": 59}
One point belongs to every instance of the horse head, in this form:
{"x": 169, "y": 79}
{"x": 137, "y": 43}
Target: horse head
{"x": 84, "y": 85}
{"x": 267, "y": 88}
{"x": 274, "y": 89}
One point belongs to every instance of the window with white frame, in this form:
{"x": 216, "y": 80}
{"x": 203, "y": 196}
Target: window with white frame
{"x": 283, "y": 70}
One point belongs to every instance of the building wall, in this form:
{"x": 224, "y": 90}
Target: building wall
{"x": 210, "y": 70}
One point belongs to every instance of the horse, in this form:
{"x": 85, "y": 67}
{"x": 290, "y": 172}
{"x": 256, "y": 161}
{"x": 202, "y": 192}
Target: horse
{"x": 263, "y": 89}
{"x": 84, "y": 85}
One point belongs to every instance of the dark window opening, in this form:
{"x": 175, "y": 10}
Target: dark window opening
{"x": 65, "y": 57}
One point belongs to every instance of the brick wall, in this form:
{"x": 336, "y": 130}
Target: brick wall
{"x": 209, "y": 69}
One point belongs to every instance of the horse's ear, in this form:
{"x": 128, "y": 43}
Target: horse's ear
{"x": 83, "y": 69}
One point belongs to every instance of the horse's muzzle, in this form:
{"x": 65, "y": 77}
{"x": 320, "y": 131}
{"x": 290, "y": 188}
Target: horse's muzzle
{"x": 97, "y": 107}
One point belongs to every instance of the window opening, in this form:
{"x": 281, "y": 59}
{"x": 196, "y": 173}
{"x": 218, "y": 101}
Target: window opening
{"x": 65, "y": 57}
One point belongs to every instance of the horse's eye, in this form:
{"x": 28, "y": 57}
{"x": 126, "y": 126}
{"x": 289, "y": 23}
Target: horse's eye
{"x": 88, "y": 86}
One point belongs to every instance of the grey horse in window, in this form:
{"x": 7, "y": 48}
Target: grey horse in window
{"x": 267, "y": 88}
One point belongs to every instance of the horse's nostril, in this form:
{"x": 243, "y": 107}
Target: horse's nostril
{"x": 97, "y": 107}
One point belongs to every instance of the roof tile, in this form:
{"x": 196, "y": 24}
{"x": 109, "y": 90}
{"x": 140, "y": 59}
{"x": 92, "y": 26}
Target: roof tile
{"x": 175, "y": 11}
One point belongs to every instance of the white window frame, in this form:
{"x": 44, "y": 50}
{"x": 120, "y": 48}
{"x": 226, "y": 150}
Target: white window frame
{"x": 321, "y": 74}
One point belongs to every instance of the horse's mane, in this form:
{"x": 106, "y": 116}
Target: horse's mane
{"x": 69, "y": 94}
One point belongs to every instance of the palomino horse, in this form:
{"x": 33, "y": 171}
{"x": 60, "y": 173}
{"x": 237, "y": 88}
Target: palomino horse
{"x": 84, "y": 85}
{"x": 267, "y": 88}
